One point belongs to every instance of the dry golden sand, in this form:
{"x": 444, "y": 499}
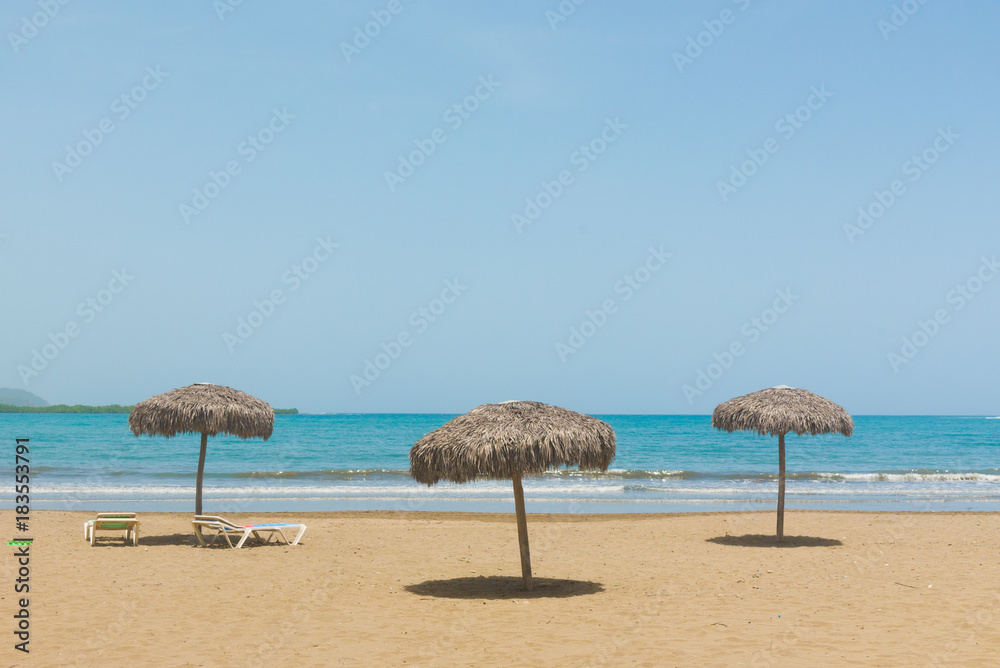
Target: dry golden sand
{"x": 422, "y": 589}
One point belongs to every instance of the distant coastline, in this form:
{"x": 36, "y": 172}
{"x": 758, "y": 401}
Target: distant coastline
{"x": 113, "y": 408}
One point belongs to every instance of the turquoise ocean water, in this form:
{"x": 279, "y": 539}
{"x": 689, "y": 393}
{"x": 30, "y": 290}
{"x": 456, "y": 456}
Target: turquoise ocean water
{"x": 359, "y": 462}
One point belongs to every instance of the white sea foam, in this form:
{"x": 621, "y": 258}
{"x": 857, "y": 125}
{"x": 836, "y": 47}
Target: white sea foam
{"x": 635, "y": 488}
{"x": 913, "y": 477}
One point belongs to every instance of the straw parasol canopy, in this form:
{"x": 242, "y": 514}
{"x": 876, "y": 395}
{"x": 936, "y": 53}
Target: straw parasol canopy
{"x": 206, "y": 409}
{"x": 777, "y": 411}
{"x": 507, "y": 441}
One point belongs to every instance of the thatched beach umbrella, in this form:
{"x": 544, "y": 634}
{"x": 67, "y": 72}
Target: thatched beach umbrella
{"x": 206, "y": 409}
{"x": 508, "y": 441}
{"x": 777, "y": 411}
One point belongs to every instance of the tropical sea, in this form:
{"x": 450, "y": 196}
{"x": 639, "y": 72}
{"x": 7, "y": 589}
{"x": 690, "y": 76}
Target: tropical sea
{"x": 664, "y": 463}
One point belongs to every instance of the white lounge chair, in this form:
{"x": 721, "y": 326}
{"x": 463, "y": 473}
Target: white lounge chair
{"x": 225, "y": 528}
{"x": 126, "y": 522}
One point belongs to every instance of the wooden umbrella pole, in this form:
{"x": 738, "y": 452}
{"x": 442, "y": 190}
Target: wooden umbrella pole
{"x": 201, "y": 474}
{"x": 522, "y": 533}
{"x": 781, "y": 487}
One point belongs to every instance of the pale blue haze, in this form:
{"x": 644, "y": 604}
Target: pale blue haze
{"x": 654, "y": 186}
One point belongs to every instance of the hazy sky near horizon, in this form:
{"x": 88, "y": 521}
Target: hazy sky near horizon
{"x": 624, "y": 208}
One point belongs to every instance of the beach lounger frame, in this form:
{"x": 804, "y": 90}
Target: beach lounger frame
{"x": 112, "y": 522}
{"x": 225, "y": 528}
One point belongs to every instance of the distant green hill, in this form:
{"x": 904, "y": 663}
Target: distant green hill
{"x": 113, "y": 408}
{"x": 63, "y": 408}
{"x": 12, "y": 397}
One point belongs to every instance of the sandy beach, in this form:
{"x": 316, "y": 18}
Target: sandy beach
{"x": 422, "y": 589}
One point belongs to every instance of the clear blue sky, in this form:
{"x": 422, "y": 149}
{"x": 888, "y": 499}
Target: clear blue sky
{"x": 310, "y": 128}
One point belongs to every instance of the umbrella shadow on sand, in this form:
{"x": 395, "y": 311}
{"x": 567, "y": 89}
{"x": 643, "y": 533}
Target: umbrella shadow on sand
{"x": 183, "y": 539}
{"x": 770, "y": 540}
{"x": 496, "y": 587}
